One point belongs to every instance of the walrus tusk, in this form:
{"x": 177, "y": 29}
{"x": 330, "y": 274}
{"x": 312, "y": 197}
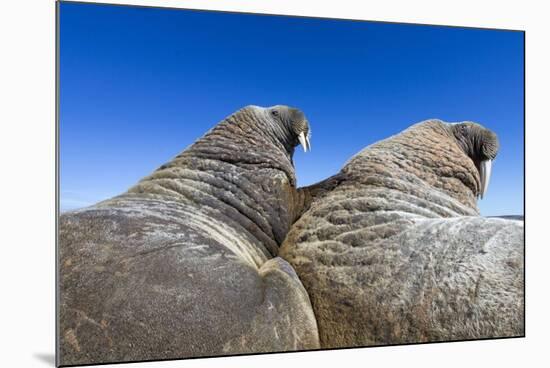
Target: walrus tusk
{"x": 485, "y": 176}
{"x": 304, "y": 141}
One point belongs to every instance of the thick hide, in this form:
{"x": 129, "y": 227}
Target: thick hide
{"x": 392, "y": 250}
{"x": 182, "y": 264}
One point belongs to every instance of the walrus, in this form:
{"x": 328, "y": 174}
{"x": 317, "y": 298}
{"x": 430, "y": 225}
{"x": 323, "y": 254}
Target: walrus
{"x": 392, "y": 249}
{"x": 184, "y": 263}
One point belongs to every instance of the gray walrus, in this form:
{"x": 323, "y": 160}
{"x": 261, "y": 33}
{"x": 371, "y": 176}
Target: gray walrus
{"x": 182, "y": 264}
{"x": 392, "y": 249}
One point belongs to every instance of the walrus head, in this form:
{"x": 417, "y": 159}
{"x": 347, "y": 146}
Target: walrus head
{"x": 294, "y": 121}
{"x": 481, "y": 145}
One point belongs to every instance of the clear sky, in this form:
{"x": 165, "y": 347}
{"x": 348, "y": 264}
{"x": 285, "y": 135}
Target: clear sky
{"x": 138, "y": 85}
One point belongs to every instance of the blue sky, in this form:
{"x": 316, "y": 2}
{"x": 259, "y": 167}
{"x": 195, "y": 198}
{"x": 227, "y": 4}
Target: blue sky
{"x": 138, "y": 85}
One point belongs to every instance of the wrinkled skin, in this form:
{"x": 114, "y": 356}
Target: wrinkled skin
{"x": 392, "y": 250}
{"x": 182, "y": 264}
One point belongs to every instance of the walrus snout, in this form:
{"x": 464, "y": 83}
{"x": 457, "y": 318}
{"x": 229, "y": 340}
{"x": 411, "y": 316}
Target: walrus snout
{"x": 490, "y": 144}
{"x": 481, "y": 145}
{"x": 301, "y": 128}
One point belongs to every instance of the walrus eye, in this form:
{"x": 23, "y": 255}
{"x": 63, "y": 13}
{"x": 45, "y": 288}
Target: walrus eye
{"x": 274, "y": 112}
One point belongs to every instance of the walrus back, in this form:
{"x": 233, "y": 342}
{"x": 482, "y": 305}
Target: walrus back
{"x": 157, "y": 279}
{"x": 391, "y": 250}
{"x": 181, "y": 265}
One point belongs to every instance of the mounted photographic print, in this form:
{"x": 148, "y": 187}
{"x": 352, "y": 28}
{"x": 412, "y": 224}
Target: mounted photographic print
{"x": 235, "y": 183}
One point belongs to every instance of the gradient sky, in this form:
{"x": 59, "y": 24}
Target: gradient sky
{"x": 138, "y": 85}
